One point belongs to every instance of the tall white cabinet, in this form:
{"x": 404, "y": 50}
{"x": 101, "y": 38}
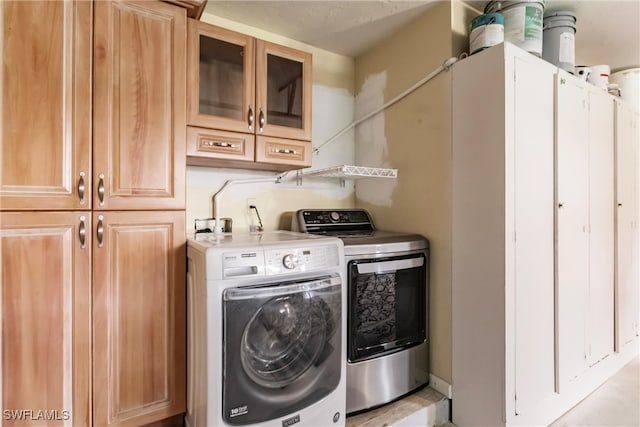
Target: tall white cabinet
{"x": 627, "y": 234}
{"x": 543, "y": 303}
{"x": 503, "y": 236}
{"x": 585, "y": 225}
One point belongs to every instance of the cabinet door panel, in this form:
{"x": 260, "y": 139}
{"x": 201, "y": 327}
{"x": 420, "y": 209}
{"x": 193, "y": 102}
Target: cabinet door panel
{"x": 139, "y": 317}
{"x": 627, "y": 255}
{"x": 139, "y": 106}
{"x": 533, "y": 222}
{"x": 46, "y": 108}
{"x": 572, "y": 226}
{"x": 45, "y": 312}
{"x": 221, "y": 78}
{"x": 601, "y": 226}
{"x": 283, "y": 79}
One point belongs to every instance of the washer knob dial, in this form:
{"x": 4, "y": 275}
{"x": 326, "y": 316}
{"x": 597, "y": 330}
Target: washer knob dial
{"x": 334, "y": 216}
{"x": 290, "y": 261}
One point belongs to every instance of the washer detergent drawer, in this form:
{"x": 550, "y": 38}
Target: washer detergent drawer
{"x": 282, "y": 346}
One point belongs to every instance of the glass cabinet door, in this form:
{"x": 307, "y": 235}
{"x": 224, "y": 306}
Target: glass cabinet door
{"x": 221, "y": 78}
{"x": 283, "y": 91}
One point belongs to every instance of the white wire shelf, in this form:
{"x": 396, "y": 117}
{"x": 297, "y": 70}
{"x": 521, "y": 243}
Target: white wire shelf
{"x": 352, "y": 172}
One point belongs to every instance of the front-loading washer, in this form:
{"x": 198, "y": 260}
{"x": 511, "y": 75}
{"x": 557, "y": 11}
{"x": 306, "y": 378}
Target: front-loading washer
{"x": 266, "y": 330}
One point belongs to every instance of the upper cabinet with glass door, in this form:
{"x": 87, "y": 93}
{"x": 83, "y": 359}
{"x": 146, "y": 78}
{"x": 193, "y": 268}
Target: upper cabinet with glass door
{"x": 283, "y": 91}
{"x": 221, "y": 78}
{"x": 242, "y": 85}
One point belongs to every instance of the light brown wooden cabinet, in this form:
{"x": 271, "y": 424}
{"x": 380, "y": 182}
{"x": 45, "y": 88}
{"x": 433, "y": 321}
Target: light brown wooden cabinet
{"x": 139, "y": 105}
{"x": 45, "y": 155}
{"x": 138, "y": 124}
{"x": 139, "y": 260}
{"x": 251, "y": 87}
{"x": 138, "y": 317}
{"x": 126, "y": 117}
{"x": 45, "y": 315}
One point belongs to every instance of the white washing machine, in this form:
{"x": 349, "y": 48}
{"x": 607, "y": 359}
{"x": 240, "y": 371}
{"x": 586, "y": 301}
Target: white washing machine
{"x": 266, "y": 330}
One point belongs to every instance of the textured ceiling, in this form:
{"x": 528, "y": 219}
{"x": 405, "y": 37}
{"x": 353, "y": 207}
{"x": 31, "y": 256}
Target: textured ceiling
{"x": 344, "y": 27}
{"x": 608, "y": 32}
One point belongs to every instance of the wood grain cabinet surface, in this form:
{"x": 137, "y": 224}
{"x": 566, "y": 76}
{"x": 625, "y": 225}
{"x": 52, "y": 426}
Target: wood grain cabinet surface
{"x": 45, "y": 155}
{"x": 252, "y": 87}
{"x": 139, "y": 317}
{"x": 139, "y": 105}
{"x": 93, "y": 163}
{"x": 45, "y": 317}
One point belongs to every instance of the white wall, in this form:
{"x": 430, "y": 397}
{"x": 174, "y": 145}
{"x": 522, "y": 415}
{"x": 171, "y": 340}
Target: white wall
{"x": 332, "y": 110}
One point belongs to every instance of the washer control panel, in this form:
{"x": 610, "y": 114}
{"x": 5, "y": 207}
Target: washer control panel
{"x": 294, "y": 260}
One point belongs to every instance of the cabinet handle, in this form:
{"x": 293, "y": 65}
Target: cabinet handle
{"x": 250, "y": 118}
{"x": 101, "y": 189}
{"x": 218, "y": 144}
{"x": 261, "y": 121}
{"x": 560, "y": 205}
{"x": 82, "y": 232}
{"x": 81, "y": 188}
{"x": 284, "y": 151}
{"x": 100, "y": 230}
{"x": 619, "y": 205}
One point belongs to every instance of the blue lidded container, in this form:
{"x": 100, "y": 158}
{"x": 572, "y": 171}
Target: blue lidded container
{"x": 485, "y": 31}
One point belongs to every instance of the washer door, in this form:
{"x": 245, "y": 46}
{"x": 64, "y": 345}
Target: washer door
{"x": 282, "y": 348}
{"x": 284, "y": 338}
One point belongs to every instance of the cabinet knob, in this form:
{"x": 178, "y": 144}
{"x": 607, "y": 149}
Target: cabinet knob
{"x": 560, "y": 205}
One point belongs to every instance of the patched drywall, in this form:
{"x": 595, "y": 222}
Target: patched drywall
{"x": 416, "y": 133}
{"x": 372, "y": 142}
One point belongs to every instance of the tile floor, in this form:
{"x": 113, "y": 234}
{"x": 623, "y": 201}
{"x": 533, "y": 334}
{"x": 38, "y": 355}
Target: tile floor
{"x": 616, "y": 403}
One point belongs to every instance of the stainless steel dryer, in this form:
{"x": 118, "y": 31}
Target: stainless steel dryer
{"x": 266, "y": 328}
{"x": 387, "y": 318}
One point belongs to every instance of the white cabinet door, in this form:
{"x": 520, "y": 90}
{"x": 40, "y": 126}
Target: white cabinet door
{"x": 572, "y": 225}
{"x": 627, "y": 257}
{"x": 600, "y": 317}
{"x": 534, "y": 238}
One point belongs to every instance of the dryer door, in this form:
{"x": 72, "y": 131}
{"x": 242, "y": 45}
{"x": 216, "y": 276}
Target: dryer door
{"x": 282, "y": 346}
